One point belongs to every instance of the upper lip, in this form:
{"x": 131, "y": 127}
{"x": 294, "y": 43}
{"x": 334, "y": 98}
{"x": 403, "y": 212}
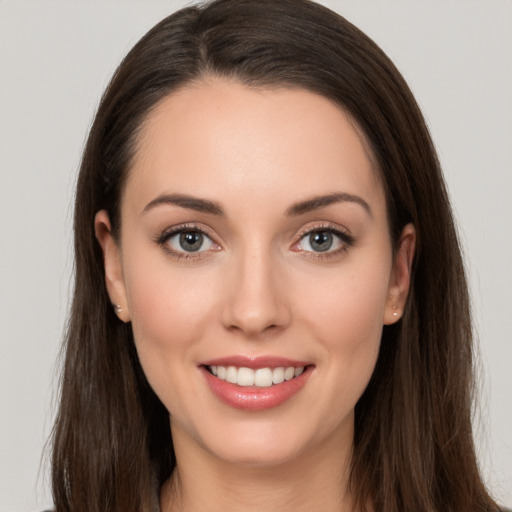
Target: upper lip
{"x": 255, "y": 362}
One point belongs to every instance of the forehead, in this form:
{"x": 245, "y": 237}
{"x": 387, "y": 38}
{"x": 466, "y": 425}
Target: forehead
{"x": 224, "y": 139}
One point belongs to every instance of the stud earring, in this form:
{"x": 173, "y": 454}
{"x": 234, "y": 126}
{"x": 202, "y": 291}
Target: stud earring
{"x": 118, "y": 309}
{"x": 395, "y": 307}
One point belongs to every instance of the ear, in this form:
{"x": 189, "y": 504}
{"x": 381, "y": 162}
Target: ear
{"x": 400, "y": 278}
{"x": 113, "y": 268}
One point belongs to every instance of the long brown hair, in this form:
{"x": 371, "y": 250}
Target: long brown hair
{"x": 413, "y": 446}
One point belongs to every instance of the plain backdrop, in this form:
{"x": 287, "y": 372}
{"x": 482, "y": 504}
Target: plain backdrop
{"x": 55, "y": 60}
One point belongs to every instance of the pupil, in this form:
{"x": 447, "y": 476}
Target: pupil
{"x": 321, "y": 241}
{"x": 191, "y": 241}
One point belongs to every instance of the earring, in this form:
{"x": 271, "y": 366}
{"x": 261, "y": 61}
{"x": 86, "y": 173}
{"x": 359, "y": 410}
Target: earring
{"x": 118, "y": 309}
{"x": 395, "y": 307}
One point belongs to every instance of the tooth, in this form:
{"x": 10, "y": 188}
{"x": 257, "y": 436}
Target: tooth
{"x": 221, "y": 372}
{"x": 263, "y": 377}
{"x": 231, "y": 374}
{"x": 245, "y": 377}
{"x": 289, "y": 373}
{"x": 278, "y": 375}
{"x": 298, "y": 371}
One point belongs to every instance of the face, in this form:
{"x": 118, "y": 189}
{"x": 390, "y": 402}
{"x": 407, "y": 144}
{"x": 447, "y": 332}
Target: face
{"x": 255, "y": 265}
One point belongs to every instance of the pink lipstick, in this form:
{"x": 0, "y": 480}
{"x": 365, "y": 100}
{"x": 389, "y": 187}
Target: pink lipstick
{"x": 255, "y": 383}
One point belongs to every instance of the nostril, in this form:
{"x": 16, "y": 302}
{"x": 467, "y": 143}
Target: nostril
{"x": 254, "y": 307}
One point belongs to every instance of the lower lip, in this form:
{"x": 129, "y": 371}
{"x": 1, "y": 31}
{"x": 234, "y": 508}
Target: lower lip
{"x": 253, "y": 398}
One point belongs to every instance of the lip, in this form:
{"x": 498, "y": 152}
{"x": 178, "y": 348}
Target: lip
{"x": 252, "y": 398}
{"x": 255, "y": 362}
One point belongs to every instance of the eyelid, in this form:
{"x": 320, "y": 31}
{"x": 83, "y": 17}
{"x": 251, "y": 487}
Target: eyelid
{"x": 180, "y": 228}
{"x": 324, "y": 226}
{"x": 347, "y": 240}
{"x": 343, "y": 234}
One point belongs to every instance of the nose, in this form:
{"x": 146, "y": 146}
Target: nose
{"x": 256, "y": 301}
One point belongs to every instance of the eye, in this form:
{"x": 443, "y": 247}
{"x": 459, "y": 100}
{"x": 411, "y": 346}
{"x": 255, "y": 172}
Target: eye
{"x": 319, "y": 241}
{"x": 188, "y": 240}
{"x": 324, "y": 240}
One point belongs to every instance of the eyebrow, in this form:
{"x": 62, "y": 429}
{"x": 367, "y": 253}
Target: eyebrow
{"x": 315, "y": 203}
{"x": 213, "y": 208}
{"x": 185, "y": 201}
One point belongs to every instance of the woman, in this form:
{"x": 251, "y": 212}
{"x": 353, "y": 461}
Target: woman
{"x": 270, "y": 306}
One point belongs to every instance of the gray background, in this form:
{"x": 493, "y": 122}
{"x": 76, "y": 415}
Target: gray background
{"x": 55, "y": 60}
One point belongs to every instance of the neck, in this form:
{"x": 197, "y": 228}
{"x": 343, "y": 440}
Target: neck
{"x": 316, "y": 480}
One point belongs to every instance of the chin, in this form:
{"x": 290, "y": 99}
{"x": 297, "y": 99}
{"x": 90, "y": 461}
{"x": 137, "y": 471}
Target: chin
{"x": 263, "y": 444}
{"x": 259, "y": 455}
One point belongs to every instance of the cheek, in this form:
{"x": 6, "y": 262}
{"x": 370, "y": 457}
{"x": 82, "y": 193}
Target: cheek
{"x": 347, "y": 322}
{"x": 168, "y": 315}
{"x": 349, "y": 305}
{"x": 347, "y": 319}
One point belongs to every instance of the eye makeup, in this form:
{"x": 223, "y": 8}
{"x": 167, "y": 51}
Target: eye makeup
{"x": 191, "y": 241}
{"x": 329, "y": 240}
{"x": 198, "y": 240}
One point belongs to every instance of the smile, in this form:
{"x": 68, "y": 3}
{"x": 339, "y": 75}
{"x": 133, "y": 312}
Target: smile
{"x": 255, "y": 383}
{"x": 261, "y": 377}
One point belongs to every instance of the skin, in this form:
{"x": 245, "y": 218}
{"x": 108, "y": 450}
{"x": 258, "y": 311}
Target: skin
{"x": 259, "y": 287}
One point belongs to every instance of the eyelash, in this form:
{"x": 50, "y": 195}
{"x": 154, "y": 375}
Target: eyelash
{"x": 346, "y": 239}
{"x": 183, "y": 228}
